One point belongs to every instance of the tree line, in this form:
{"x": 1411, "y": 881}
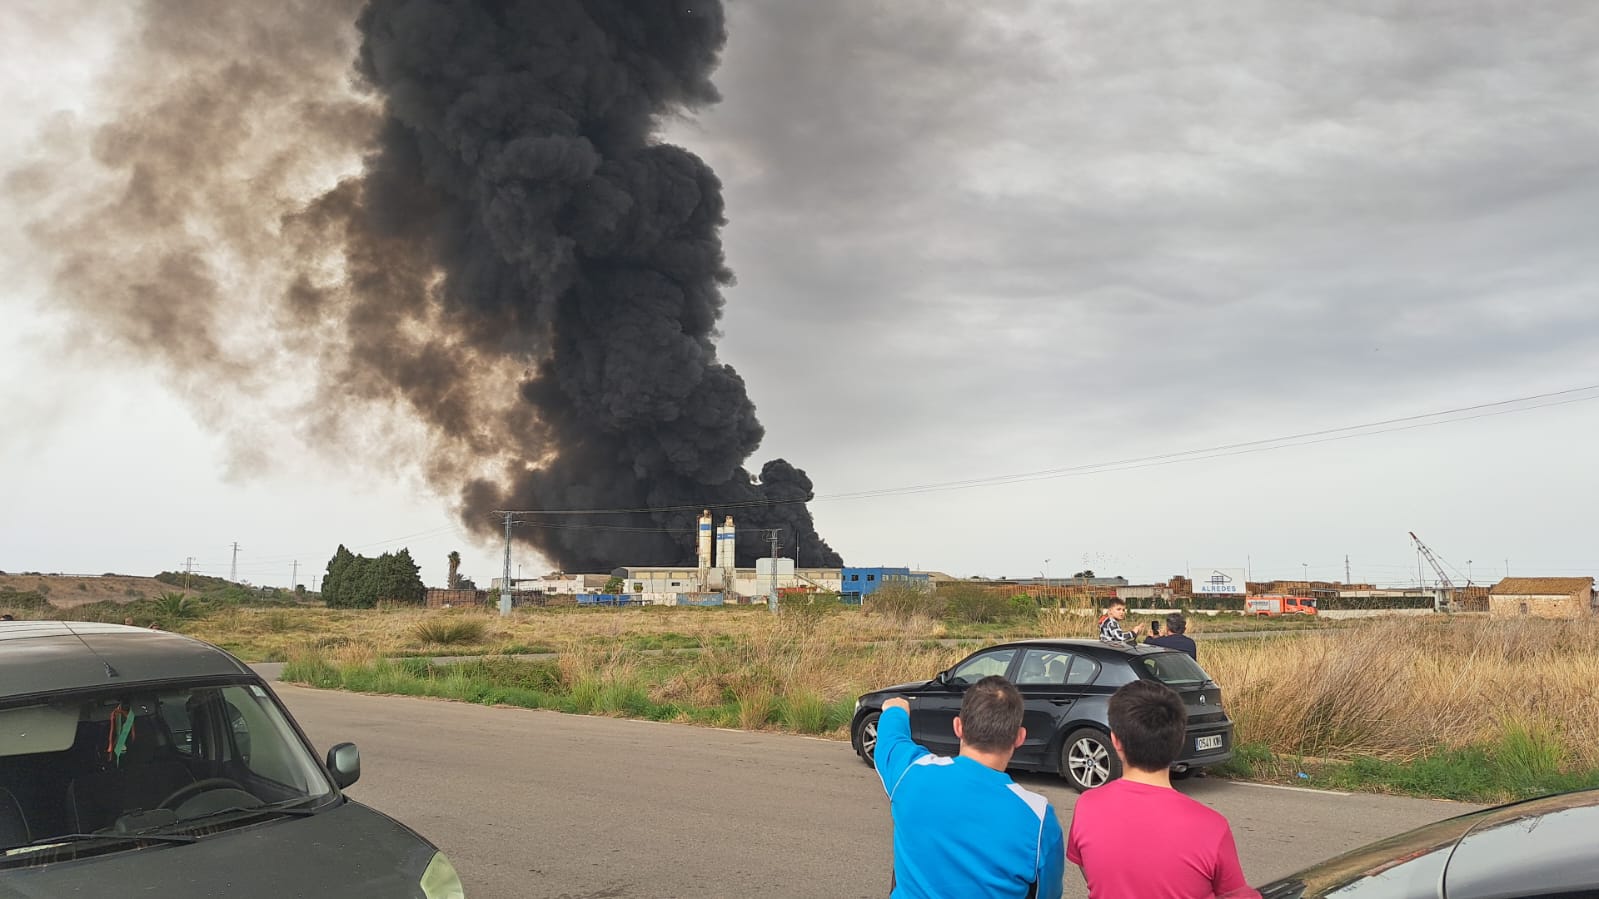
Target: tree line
{"x": 361, "y": 582}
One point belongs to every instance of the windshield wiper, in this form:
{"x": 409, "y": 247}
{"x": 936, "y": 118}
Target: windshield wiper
{"x": 259, "y": 809}
{"x": 135, "y": 837}
{"x": 287, "y": 807}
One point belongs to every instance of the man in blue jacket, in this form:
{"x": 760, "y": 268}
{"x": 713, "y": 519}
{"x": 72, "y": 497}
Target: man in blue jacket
{"x": 962, "y": 827}
{"x": 1176, "y": 636}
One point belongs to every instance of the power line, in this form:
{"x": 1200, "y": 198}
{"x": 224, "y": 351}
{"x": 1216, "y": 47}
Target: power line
{"x": 279, "y": 560}
{"x": 1268, "y": 444}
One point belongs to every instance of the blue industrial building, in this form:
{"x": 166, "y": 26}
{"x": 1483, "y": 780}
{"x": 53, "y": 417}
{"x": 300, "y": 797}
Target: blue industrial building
{"x": 856, "y": 584}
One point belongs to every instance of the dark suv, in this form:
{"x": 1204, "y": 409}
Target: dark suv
{"x": 138, "y": 762}
{"x": 1066, "y": 685}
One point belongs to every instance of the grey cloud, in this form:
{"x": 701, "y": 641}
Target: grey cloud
{"x": 1256, "y": 202}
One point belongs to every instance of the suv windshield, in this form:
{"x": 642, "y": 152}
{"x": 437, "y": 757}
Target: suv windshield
{"x": 121, "y": 763}
{"x": 1174, "y": 669}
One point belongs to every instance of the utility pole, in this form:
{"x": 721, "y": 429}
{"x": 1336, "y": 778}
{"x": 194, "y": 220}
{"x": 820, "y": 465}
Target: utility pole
{"x": 505, "y": 579}
{"x": 188, "y": 569}
{"x": 771, "y": 589}
{"x": 233, "y": 573}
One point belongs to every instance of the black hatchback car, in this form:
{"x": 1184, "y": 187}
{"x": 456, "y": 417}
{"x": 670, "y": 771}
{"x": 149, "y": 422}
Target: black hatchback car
{"x": 142, "y": 763}
{"x": 1540, "y": 847}
{"x": 1066, "y": 685}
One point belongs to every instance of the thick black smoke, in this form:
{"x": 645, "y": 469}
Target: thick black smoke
{"x": 519, "y": 265}
{"x": 518, "y": 154}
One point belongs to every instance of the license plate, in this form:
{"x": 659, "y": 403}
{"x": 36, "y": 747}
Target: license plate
{"x": 1203, "y": 743}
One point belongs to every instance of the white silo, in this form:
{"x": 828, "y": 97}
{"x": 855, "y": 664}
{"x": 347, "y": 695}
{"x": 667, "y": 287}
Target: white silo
{"x": 705, "y": 550}
{"x": 726, "y": 546}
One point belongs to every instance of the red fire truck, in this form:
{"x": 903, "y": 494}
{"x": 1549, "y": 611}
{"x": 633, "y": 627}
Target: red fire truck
{"x": 1271, "y": 606}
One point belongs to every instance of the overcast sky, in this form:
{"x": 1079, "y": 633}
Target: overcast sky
{"x": 972, "y": 243}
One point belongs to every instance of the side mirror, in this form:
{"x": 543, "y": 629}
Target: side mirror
{"x": 942, "y": 678}
{"x": 344, "y": 762}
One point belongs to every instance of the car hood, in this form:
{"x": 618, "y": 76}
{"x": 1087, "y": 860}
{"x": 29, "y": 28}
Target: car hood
{"x": 1489, "y": 853}
{"x": 347, "y": 851}
{"x": 880, "y": 695}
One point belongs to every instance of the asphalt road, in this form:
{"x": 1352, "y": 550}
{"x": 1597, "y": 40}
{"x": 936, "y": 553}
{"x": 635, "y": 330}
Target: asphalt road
{"x": 541, "y": 804}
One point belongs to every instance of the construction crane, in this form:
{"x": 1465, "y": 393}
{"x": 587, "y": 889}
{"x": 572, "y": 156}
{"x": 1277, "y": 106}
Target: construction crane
{"x": 1444, "y": 598}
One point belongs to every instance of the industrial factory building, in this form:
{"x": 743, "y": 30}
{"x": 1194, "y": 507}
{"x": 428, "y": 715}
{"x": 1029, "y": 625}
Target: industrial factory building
{"x": 715, "y": 578}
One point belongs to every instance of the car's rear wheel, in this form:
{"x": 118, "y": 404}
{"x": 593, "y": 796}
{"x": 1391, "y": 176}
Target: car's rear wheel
{"x": 1087, "y": 760}
{"x": 865, "y": 738}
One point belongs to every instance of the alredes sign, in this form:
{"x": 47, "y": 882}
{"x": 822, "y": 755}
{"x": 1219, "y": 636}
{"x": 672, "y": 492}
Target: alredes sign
{"x": 1219, "y": 581}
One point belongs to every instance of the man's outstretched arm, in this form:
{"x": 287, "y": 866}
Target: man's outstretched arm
{"x": 895, "y": 750}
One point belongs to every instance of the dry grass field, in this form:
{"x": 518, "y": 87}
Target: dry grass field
{"x": 1398, "y": 689}
{"x": 66, "y": 591}
{"x": 271, "y": 634}
{"x": 1473, "y": 707}
{"x": 266, "y": 634}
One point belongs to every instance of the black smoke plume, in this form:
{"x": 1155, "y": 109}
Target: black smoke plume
{"x": 517, "y": 264}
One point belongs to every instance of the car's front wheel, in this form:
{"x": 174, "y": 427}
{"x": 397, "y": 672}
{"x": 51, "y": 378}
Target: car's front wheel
{"x": 865, "y": 737}
{"x": 1087, "y": 760}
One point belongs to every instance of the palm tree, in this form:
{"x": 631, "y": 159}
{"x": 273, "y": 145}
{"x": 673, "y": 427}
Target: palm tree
{"x": 454, "y": 582}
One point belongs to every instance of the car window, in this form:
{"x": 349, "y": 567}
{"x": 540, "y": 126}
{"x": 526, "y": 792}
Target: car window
{"x": 1115, "y": 673}
{"x": 1174, "y": 669}
{"x": 166, "y": 756}
{"x": 974, "y": 669}
{"x": 1083, "y": 671}
{"x": 1044, "y": 667}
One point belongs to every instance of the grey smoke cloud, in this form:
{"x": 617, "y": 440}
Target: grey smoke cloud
{"x": 507, "y": 256}
{"x": 1049, "y": 225}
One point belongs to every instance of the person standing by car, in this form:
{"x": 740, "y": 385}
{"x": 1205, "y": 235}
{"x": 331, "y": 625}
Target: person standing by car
{"x": 1110, "y": 625}
{"x": 1176, "y": 636}
{"x": 1136, "y": 837}
{"x": 962, "y": 827}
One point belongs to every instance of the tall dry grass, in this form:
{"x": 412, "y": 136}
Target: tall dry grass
{"x": 1399, "y": 689}
{"x": 273, "y": 634}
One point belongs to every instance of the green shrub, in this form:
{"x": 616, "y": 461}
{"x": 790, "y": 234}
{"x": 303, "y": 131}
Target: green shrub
{"x": 312, "y": 668}
{"x": 278, "y": 621}
{"x": 450, "y": 631}
{"x": 1374, "y": 602}
{"x": 172, "y": 607}
{"x": 903, "y": 601}
{"x": 975, "y": 605}
{"x": 22, "y": 600}
{"x": 544, "y": 677}
{"x": 804, "y": 611}
{"x": 804, "y": 712}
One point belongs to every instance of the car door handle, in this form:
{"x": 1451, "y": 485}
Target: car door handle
{"x": 1063, "y": 701}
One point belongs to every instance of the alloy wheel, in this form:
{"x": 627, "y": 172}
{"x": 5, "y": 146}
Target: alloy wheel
{"x": 1089, "y": 762}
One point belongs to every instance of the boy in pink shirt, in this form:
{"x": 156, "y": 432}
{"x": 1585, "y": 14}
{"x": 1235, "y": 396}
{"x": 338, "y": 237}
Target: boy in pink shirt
{"x": 1136, "y": 837}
